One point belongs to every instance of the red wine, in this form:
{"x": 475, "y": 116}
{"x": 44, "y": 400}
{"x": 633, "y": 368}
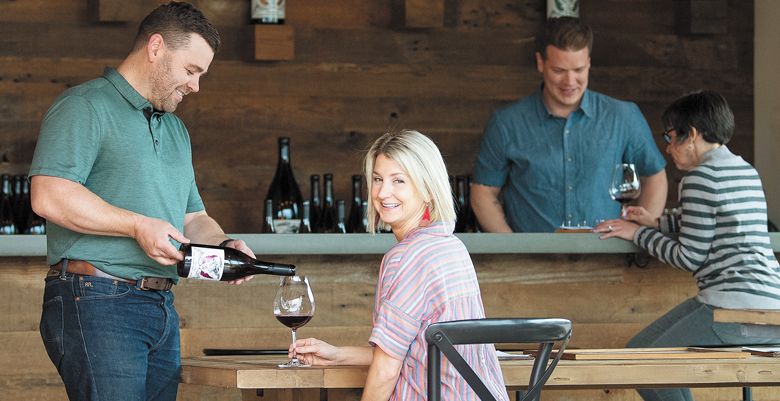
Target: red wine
{"x": 329, "y": 217}
{"x": 210, "y": 262}
{"x": 6, "y": 207}
{"x": 354, "y": 221}
{"x": 285, "y": 194}
{"x": 293, "y": 321}
{"x": 624, "y": 200}
{"x": 315, "y": 204}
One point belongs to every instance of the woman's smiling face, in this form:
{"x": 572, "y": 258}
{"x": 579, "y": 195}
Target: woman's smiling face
{"x": 395, "y": 198}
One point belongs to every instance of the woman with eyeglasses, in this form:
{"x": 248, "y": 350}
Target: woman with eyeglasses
{"x": 722, "y": 235}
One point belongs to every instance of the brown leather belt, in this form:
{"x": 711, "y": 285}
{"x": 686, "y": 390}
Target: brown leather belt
{"x": 84, "y": 268}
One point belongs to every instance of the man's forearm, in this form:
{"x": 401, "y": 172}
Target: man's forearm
{"x": 488, "y": 209}
{"x": 71, "y": 205}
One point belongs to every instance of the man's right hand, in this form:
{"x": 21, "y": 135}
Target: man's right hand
{"x": 153, "y": 237}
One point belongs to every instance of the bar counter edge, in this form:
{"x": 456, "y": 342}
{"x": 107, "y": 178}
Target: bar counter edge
{"x": 367, "y": 244}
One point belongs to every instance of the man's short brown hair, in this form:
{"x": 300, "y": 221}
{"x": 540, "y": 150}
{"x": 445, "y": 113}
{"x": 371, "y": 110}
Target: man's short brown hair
{"x": 565, "y": 33}
{"x": 175, "y": 21}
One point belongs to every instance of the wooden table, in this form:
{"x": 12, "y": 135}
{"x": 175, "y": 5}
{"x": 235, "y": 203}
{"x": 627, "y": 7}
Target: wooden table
{"x": 260, "y": 372}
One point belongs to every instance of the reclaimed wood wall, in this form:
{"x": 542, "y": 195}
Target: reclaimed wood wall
{"x": 357, "y": 72}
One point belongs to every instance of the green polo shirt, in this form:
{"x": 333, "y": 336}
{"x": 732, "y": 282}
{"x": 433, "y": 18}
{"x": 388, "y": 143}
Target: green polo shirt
{"x": 104, "y": 135}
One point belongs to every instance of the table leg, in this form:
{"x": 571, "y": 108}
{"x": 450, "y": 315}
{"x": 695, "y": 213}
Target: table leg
{"x": 747, "y": 394}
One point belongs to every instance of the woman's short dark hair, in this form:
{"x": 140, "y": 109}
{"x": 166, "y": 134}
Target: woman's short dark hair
{"x": 707, "y": 111}
{"x": 175, "y": 21}
{"x": 565, "y": 33}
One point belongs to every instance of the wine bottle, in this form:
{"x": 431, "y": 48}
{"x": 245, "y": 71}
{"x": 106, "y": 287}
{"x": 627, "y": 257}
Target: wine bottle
{"x": 268, "y": 222}
{"x": 306, "y": 221}
{"x": 7, "y": 226}
{"x": 21, "y": 202}
{"x": 460, "y": 203}
{"x": 364, "y": 219}
{"x": 285, "y": 194}
{"x": 329, "y": 218}
{"x": 34, "y": 224}
{"x": 315, "y": 204}
{"x": 267, "y": 11}
{"x": 466, "y": 217}
{"x": 356, "y": 209}
{"x": 210, "y": 262}
{"x": 340, "y": 225}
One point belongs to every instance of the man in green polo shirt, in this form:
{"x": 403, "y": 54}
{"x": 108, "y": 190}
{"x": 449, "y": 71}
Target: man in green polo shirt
{"x": 112, "y": 174}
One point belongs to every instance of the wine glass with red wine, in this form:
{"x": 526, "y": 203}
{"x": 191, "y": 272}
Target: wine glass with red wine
{"x": 625, "y": 184}
{"x": 294, "y": 307}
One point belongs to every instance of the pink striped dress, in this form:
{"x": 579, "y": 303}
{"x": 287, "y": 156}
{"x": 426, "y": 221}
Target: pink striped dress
{"x": 425, "y": 278}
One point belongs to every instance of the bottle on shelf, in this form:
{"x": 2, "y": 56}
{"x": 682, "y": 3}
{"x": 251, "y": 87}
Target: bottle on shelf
{"x": 315, "y": 203}
{"x": 285, "y": 194}
{"x": 210, "y": 262}
{"x": 356, "y": 208}
{"x": 364, "y": 219}
{"x": 21, "y": 202}
{"x": 267, "y": 11}
{"x": 466, "y": 221}
{"x": 7, "y": 226}
{"x": 340, "y": 225}
{"x": 329, "y": 217}
{"x": 268, "y": 222}
{"x": 306, "y": 220}
{"x": 34, "y": 224}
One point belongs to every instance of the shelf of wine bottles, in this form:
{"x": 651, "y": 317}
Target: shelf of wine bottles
{"x": 16, "y": 215}
{"x": 368, "y": 244}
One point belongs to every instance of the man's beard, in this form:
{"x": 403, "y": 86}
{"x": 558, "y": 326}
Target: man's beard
{"x": 162, "y": 89}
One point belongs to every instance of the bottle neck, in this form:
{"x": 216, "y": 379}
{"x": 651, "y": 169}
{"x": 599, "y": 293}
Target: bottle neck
{"x": 357, "y": 189}
{"x": 329, "y": 191}
{"x": 315, "y": 191}
{"x": 284, "y": 153}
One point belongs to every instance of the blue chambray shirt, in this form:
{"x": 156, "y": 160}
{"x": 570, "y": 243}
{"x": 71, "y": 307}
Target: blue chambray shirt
{"x": 554, "y": 170}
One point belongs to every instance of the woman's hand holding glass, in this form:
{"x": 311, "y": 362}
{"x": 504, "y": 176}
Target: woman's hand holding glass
{"x": 312, "y": 351}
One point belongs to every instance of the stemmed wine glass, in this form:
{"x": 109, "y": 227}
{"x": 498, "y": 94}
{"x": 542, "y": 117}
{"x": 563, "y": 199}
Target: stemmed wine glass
{"x": 625, "y": 184}
{"x": 294, "y": 307}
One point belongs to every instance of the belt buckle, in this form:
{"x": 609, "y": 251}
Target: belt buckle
{"x": 143, "y": 286}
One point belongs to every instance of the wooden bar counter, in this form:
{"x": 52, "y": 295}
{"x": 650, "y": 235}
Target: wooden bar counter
{"x": 574, "y": 276}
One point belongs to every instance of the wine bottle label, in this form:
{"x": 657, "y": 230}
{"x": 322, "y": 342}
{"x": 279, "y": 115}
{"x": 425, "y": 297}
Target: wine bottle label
{"x": 207, "y": 263}
{"x": 267, "y": 10}
{"x": 287, "y": 226}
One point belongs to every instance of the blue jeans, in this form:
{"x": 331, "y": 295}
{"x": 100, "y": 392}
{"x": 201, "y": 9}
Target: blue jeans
{"x": 691, "y": 324}
{"x": 110, "y": 340}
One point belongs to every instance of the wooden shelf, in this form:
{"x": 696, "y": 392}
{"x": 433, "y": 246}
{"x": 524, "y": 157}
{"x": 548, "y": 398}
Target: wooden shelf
{"x": 424, "y": 13}
{"x": 274, "y": 42}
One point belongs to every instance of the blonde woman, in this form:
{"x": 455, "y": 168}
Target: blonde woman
{"x": 427, "y": 277}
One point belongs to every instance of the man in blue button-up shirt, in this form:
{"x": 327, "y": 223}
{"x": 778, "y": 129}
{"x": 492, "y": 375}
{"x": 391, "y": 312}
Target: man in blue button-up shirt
{"x": 547, "y": 159}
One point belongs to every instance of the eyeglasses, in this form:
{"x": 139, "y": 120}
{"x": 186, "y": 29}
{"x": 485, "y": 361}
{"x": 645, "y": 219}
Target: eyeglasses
{"x": 667, "y": 137}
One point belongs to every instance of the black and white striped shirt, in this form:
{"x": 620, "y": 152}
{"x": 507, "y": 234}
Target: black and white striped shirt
{"x": 723, "y": 237}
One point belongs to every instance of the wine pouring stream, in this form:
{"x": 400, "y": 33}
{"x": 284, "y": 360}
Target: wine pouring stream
{"x": 294, "y": 307}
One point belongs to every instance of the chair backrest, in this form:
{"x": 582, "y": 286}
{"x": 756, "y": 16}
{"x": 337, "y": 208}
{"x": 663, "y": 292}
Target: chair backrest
{"x": 442, "y": 337}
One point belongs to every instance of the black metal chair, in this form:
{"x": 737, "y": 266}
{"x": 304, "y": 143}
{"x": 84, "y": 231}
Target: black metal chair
{"x": 442, "y": 337}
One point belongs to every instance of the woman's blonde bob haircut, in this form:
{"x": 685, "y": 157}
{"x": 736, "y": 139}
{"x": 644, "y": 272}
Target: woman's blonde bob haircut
{"x": 421, "y": 160}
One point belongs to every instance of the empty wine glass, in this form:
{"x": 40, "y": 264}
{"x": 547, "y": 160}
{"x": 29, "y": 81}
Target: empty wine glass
{"x": 625, "y": 184}
{"x": 294, "y": 307}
